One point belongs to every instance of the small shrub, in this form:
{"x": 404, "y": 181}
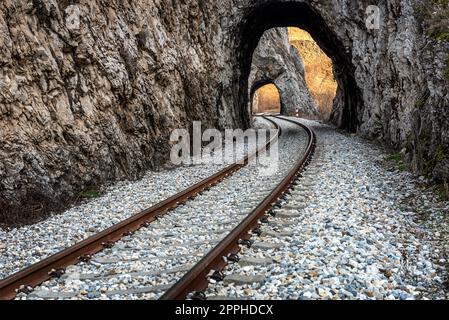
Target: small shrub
{"x": 394, "y": 157}
{"x": 90, "y": 194}
{"x": 399, "y": 161}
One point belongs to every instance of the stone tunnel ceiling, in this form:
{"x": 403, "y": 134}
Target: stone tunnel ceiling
{"x": 83, "y": 105}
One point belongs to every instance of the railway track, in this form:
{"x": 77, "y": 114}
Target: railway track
{"x": 98, "y": 259}
{"x": 54, "y": 266}
{"x": 197, "y": 279}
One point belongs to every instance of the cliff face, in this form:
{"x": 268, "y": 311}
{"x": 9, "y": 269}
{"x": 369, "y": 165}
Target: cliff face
{"x": 89, "y": 100}
{"x": 319, "y": 74}
{"x": 276, "y": 61}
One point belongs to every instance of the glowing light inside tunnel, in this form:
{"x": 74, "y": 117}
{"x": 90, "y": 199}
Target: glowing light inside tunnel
{"x": 267, "y": 100}
{"x": 318, "y": 70}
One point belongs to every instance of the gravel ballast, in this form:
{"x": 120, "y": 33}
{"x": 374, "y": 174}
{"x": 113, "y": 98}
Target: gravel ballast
{"x": 21, "y": 247}
{"x": 354, "y": 228}
{"x": 145, "y": 264}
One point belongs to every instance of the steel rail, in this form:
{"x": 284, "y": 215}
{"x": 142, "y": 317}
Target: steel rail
{"x": 197, "y": 279}
{"x": 55, "y": 265}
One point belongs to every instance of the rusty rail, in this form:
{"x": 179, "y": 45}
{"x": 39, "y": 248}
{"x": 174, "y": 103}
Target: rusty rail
{"x": 197, "y": 278}
{"x": 37, "y": 273}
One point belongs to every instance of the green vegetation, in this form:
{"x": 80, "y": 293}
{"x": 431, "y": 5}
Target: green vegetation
{"x": 399, "y": 161}
{"x": 440, "y": 155}
{"x": 394, "y": 157}
{"x": 428, "y": 169}
{"x": 90, "y": 194}
{"x": 441, "y": 2}
{"x": 421, "y": 102}
{"x": 444, "y": 36}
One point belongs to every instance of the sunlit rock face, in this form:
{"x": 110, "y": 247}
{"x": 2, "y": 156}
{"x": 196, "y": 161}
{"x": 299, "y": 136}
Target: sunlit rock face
{"x": 318, "y": 67}
{"x": 83, "y": 104}
{"x": 276, "y": 61}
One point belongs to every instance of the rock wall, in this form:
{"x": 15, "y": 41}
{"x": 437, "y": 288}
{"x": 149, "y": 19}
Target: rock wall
{"x": 391, "y": 66}
{"x": 276, "y": 61}
{"x": 85, "y": 103}
{"x": 400, "y": 71}
{"x": 90, "y": 102}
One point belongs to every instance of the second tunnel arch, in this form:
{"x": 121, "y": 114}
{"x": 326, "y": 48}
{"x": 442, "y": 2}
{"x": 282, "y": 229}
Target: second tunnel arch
{"x": 260, "y": 84}
{"x": 348, "y": 101}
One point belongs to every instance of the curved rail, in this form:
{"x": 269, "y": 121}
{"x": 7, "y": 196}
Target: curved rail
{"x": 55, "y": 265}
{"x": 197, "y": 278}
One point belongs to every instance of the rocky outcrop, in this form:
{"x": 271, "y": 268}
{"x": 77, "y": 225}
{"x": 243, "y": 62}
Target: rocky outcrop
{"x": 89, "y": 100}
{"x": 319, "y": 75}
{"x": 276, "y": 61}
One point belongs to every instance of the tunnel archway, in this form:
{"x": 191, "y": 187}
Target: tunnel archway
{"x": 259, "y": 85}
{"x": 348, "y": 101}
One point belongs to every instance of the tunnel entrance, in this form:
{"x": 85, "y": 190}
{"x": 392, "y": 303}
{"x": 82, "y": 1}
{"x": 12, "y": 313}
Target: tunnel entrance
{"x": 266, "y": 99}
{"x": 348, "y": 102}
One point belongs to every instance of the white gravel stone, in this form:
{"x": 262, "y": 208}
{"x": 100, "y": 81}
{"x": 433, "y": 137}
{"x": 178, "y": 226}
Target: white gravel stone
{"x": 365, "y": 231}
